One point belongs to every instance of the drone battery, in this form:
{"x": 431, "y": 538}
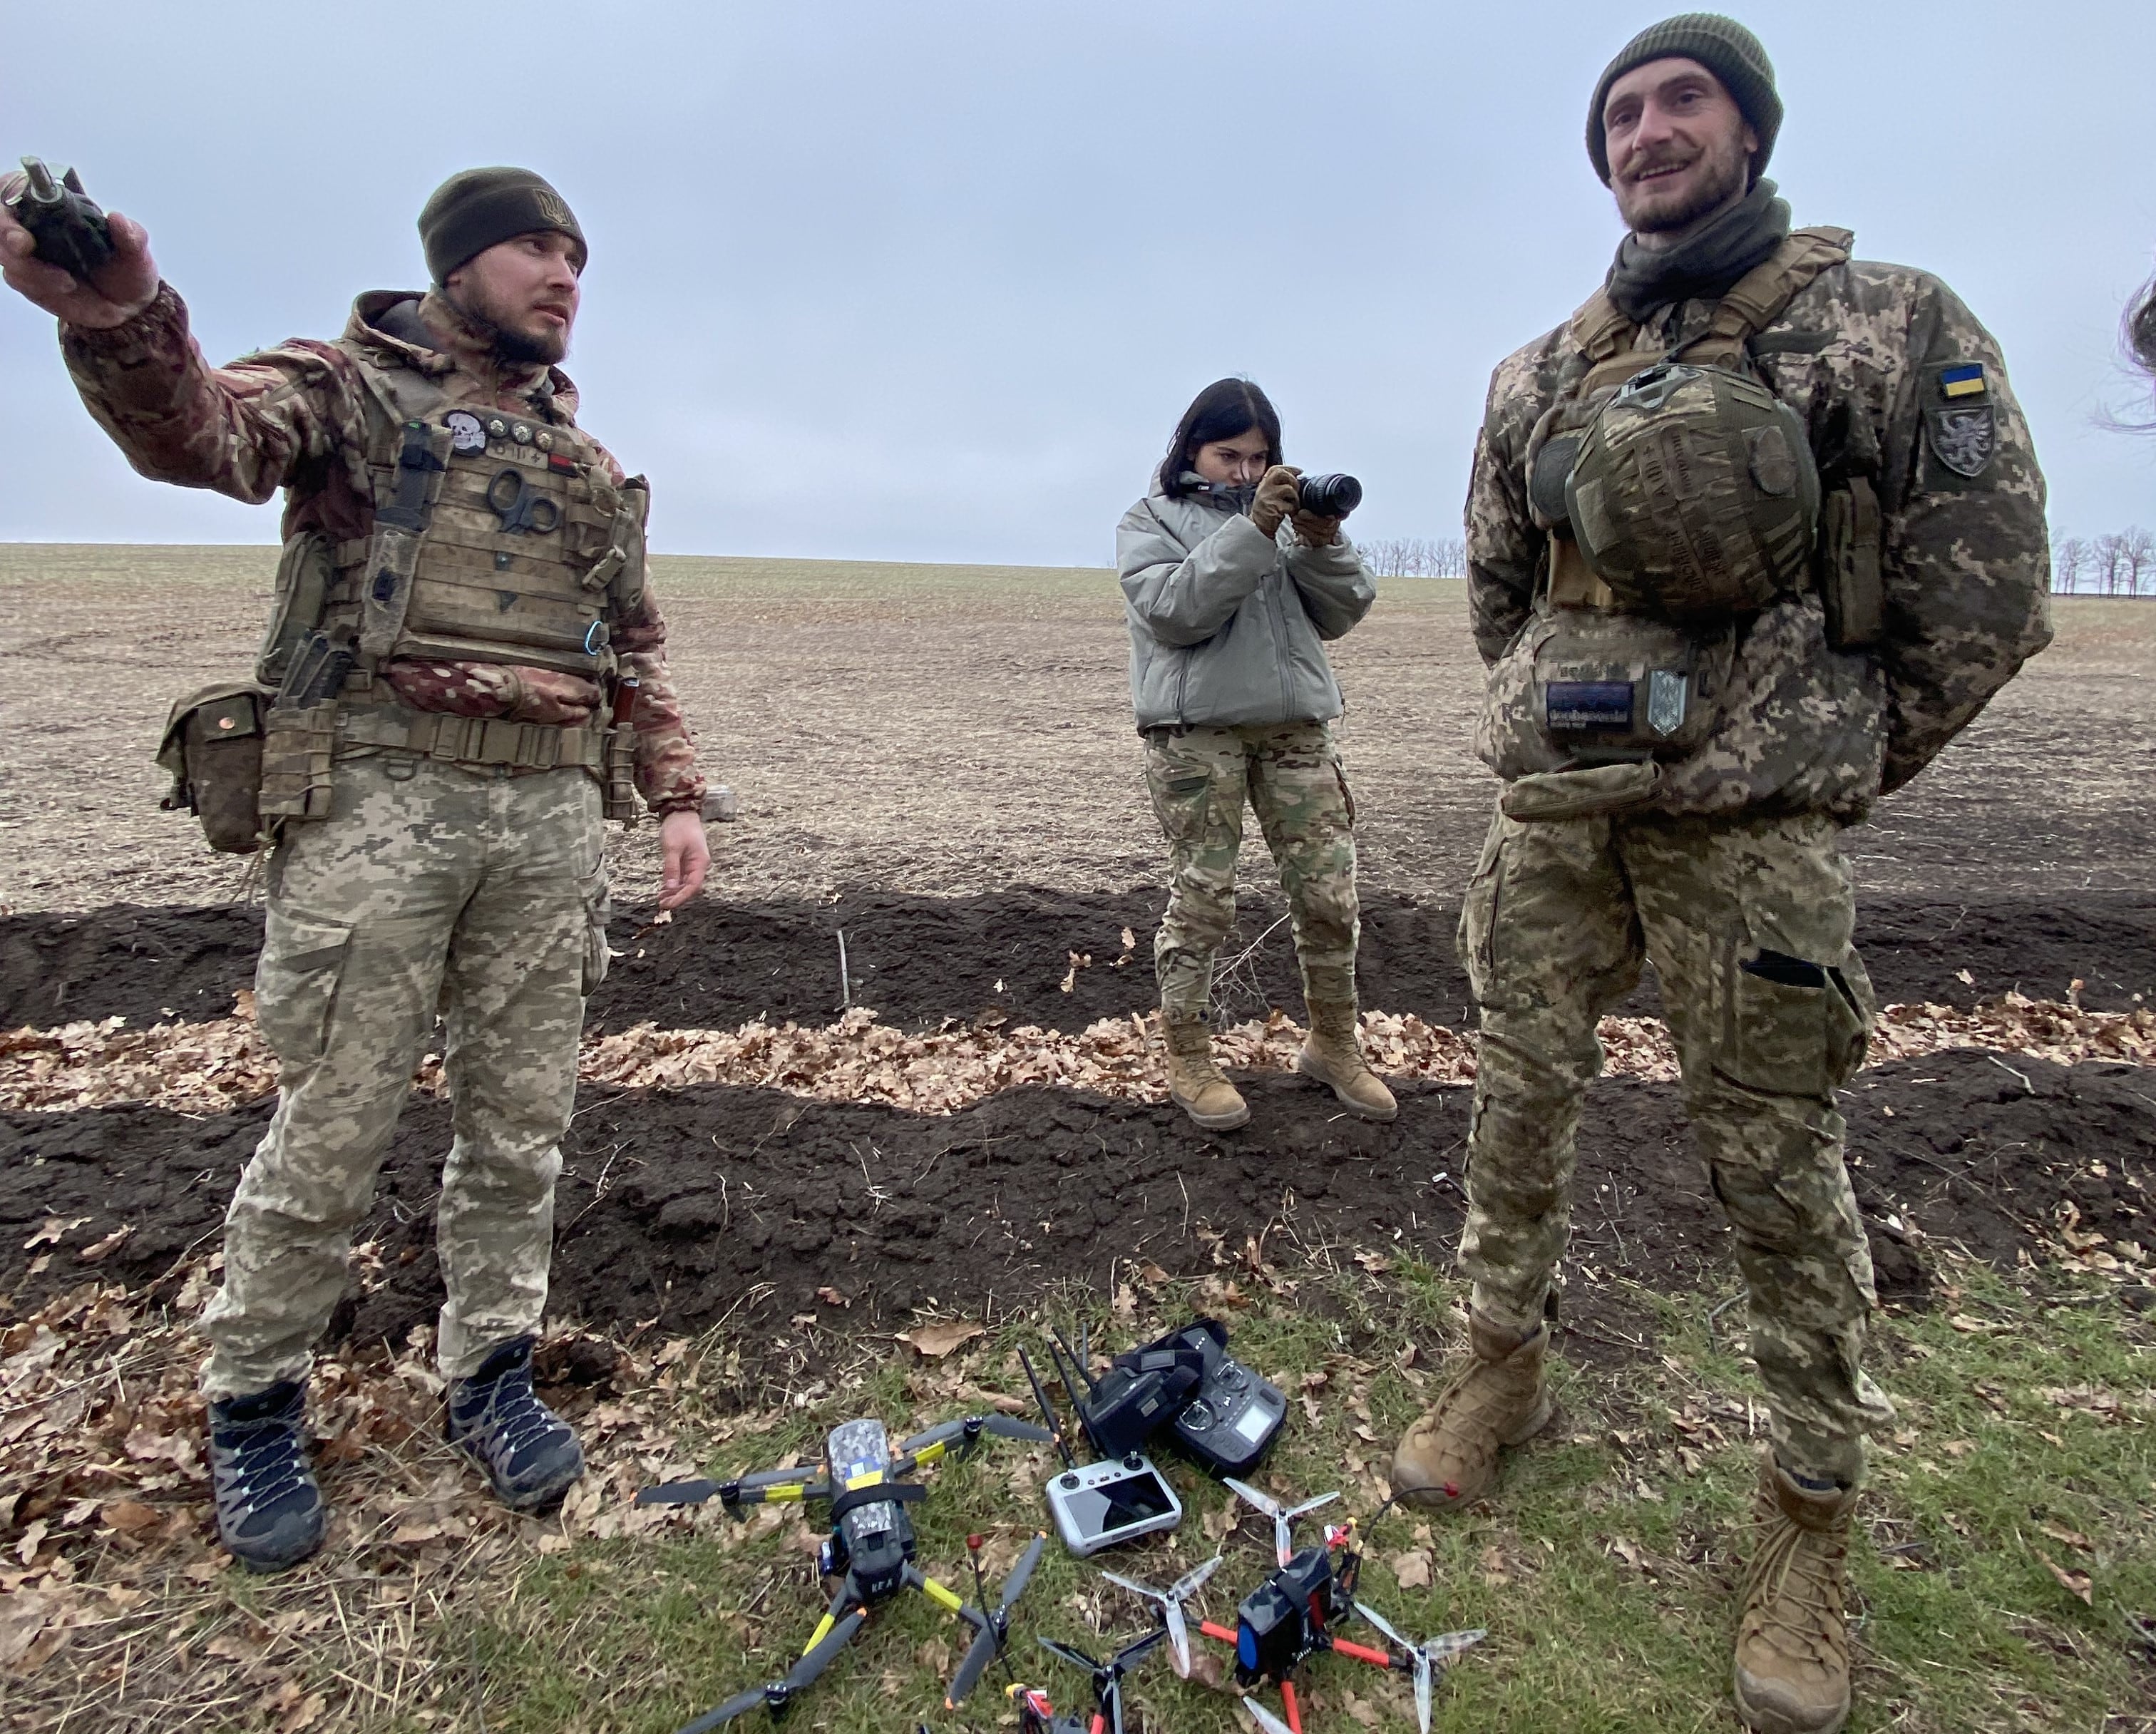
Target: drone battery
{"x": 1102, "y": 1505}
{"x": 1279, "y": 1621}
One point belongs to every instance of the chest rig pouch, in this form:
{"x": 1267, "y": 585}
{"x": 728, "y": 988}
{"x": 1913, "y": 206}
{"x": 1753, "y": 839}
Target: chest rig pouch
{"x": 1678, "y": 494}
{"x": 498, "y": 537}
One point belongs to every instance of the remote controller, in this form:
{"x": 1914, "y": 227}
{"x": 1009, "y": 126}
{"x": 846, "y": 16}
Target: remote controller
{"x": 1235, "y": 1415}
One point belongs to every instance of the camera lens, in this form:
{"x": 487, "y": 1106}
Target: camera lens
{"x": 1329, "y": 496}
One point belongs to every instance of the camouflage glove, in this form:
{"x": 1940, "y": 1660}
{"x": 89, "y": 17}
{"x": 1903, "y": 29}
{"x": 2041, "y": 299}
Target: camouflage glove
{"x": 1276, "y": 498}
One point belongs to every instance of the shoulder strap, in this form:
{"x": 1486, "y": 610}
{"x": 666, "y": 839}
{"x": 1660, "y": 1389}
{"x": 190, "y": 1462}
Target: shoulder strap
{"x": 1753, "y": 302}
{"x": 1758, "y": 298}
{"x": 1597, "y": 330}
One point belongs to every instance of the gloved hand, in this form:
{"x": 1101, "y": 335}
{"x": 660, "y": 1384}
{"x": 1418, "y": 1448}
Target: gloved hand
{"x": 1276, "y": 498}
{"x": 1314, "y": 532}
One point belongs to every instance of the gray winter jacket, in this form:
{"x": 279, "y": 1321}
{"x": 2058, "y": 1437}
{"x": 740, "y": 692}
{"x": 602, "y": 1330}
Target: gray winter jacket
{"x": 1228, "y": 625}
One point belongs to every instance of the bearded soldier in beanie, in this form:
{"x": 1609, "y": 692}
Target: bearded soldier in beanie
{"x": 1751, "y": 538}
{"x": 462, "y": 611}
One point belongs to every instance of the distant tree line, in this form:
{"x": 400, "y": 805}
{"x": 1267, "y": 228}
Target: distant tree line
{"x": 2121, "y": 564}
{"x": 1416, "y": 557}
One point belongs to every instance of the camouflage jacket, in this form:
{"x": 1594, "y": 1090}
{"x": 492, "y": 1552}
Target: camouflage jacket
{"x": 1859, "y": 354}
{"x": 293, "y": 418}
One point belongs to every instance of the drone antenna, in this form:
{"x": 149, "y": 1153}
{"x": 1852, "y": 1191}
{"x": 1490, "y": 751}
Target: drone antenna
{"x": 1047, "y": 1414}
{"x": 1075, "y": 1361}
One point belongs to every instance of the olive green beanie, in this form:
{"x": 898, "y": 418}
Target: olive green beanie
{"x": 481, "y": 207}
{"x": 1725, "y": 48}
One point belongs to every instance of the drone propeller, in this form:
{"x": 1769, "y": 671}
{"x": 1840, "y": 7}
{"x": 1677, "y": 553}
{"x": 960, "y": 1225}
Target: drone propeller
{"x": 1430, "y": 1660}
{"x": 1283, "y": 1516}
{"x": 994, "y": 1627}
{"x": 1108, "y": 1676}
{"x": 1171, "y": 1601}
{"x": 1263, "y": 1717}
{"x": 780, "y": 1486}
{"x": 927, "y": 1447}
{"x": 779, "y": 1693}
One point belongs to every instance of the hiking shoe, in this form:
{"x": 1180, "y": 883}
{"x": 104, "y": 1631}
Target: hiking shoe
{"x": 1194, "y": 1084}
{"x": 270, "y": 1513}
{"x": 1332, "y": 1055}
{"x": 529, "y": 1453}
{"x": 1449, "y": 1457}
{"x": 1792, "y": 1667}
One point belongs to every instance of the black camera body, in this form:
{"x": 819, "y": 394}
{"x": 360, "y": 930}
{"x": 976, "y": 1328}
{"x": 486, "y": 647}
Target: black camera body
{"x": 1329, "y": 496}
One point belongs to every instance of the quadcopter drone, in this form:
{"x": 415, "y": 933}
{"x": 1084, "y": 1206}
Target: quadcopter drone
{"x": 1037, "y": 1715}
{"x": 1290, "y": 1618}
{"x": 870, "y": 1547}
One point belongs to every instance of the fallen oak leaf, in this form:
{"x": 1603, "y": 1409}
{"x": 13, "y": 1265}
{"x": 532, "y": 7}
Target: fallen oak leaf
{"x": 91, "y": 1254}
{"x": 1411, "y": 1570}
{"x": 939, "y": 1336}
{"x": 2073, "y": 1582}
{"x": 51, "y": 1233}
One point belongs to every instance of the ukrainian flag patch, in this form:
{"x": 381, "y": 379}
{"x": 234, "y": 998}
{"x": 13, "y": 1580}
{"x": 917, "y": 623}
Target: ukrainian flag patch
{"x": 1966, "y": 381}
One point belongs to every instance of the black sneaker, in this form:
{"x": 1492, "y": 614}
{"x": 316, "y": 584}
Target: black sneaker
{"x": 528, "y": 1451}
{"x": 270, "y": 1513}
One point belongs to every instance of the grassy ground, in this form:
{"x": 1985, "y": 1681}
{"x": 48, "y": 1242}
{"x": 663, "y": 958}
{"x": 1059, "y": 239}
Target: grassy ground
{"x": 2005, "y": 1580}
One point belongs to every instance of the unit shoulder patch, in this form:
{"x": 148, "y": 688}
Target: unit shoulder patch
{"x": 1963, "y": 436}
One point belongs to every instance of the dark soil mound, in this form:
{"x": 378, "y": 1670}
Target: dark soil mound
{"x": 714, "y": 1204}
{"x": 919, "y": 959}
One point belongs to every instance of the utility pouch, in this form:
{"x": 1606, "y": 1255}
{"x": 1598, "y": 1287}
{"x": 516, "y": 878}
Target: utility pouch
{"x": 213, "y": 747}
{"x": 305, "y": 573}
{"x": 1587, "y": 792}
{"x": 1849, "y": 582}
{"x": 299, "y": 748}
{"x": 400, "y": 528}
{"x": 620, "y": 570}
{"x": 619, "y": 799}
{"x": 1624, "y": 686}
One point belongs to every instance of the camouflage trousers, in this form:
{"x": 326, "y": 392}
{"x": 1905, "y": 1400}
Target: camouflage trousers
{"x": 427, "y": 888}
{"x": 1748, "y": 923}
{"x": 1290, "y": 775}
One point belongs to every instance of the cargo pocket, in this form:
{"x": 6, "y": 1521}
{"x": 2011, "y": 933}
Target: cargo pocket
{"x": 599, "y": 907}
{"x": 1790, "y": 1027}
{"x": 1478, "y": 916}
{"x": 1179, "y": 798}
{"x": 295, "y": 984}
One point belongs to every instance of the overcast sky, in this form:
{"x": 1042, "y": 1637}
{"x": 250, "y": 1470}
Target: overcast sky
{"x": 933, "y": 281}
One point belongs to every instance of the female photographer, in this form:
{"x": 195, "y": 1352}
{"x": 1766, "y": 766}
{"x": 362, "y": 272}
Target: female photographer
{"x": 1231, "y": 589}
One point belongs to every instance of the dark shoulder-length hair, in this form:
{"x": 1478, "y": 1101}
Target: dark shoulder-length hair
{"x": 2141, "y": 329}
{"x": 1226, "y": 409}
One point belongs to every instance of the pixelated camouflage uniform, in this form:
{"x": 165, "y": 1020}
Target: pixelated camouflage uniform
{"x": 479, "y": 891}
{"x": 1732, "y": 882}
{"x": 1233, "y": 694}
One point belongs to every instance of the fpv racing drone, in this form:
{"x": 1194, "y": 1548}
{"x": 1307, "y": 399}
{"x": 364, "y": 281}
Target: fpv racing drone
{"x": 870, "y": 1548}
{"x": 1292, "y": 1616}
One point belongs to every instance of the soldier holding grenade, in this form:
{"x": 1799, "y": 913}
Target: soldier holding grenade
{"x": 470, "y": 660}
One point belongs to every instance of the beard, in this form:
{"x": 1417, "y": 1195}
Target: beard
{"x": 1725, "y": 175}
{"x": 511, "y": 347}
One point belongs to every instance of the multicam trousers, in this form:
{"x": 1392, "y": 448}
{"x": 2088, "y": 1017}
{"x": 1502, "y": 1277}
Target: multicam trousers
{"x": 1748, "y": 925}
{"x": 1291, "y": 776}
{"x": 427, "y": 886}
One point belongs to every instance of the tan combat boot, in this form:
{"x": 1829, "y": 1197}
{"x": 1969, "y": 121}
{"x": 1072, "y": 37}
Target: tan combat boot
{"x": 1792, "y": 1673}
{"x": 1333, "y": 1056}
{"x": 1449, "y": 1457}
{"x": 1194, "y": 1083}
